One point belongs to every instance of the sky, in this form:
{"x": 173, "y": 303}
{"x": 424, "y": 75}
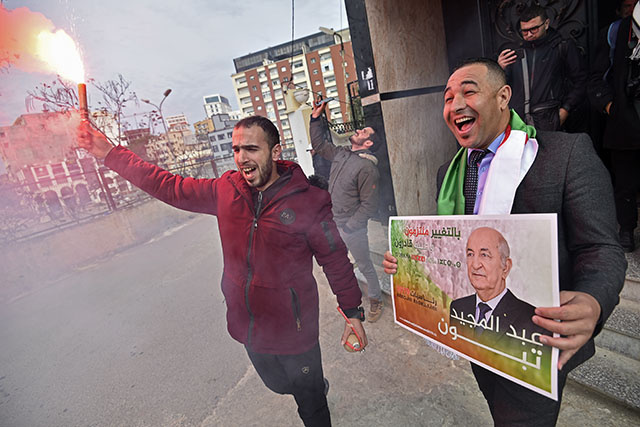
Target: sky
{"x": 187, "y": 46}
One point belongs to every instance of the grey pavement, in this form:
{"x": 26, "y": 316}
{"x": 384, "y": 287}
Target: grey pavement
{"x": 398, "y": 381}
{"x": 158, "y": 355}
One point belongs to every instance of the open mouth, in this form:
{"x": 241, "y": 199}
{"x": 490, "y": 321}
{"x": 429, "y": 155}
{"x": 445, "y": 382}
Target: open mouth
{"x": 464, "y": 123}
{"x": 248, "y": 172}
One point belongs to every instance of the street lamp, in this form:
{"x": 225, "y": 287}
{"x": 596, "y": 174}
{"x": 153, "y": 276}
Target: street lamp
{"x": 332, "y": 32}
{"x": 159, "y": 108}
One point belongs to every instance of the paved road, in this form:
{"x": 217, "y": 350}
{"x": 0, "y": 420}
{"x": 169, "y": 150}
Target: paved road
{"x": 136, "y": 340}
{"x": 140, "y": 340}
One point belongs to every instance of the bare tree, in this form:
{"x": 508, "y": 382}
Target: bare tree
{"x": 61, "y": 95}
{"x": 115, "y": 96}
{"x": 57, "y": 96}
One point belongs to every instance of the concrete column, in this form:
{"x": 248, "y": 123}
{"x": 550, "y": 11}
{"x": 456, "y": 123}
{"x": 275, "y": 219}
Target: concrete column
{"x": 410, "y": 55}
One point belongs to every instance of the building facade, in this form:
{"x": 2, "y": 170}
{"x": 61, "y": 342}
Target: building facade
{"x": 321, "y": 63}
{"x": 216, "y": 104}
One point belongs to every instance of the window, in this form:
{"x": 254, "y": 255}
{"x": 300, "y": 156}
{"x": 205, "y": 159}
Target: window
{"x": 283, "y": 69}
{"x": 229, "y": 134}
{"x": 297, "y": 64}
{"x": 315, "y": 71}
{"x": 252, "y": 77}
{"x": 259, "y": 107}
{"x": 328, "y": 67}
{"x": 254, "y": 88}
{"x": 257, "y": 98}
{"x": 221, "y": 137}
{"x": 226, "y": 146}
{"x": 317, "y": 83}
{"x": 215, "y": 149}
{"x": 313, "y": 60}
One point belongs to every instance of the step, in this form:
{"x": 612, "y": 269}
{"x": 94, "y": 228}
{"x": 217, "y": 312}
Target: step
{"x": 611, "y": 374}
{"x": 631, "y": 290}
{"x": 621, "y": 333}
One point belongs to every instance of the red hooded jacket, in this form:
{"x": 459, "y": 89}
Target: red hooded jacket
{"x": 269, "y": 288}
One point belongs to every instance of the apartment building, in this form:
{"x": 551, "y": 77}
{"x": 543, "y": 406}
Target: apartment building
{"x": 320, "y": 63}
{"x": 216, "y": 104}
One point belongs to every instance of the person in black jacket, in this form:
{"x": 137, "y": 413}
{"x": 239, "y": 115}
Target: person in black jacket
{"x": 552, "y": 83}
{"x": 615, "y": 90}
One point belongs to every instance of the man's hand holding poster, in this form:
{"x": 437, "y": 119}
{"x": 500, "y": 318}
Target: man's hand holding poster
{"x": 471, "y": 284}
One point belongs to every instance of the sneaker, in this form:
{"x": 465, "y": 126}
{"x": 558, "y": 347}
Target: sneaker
{"x": 375, "y": 310}
{"x": 626, "y": 240}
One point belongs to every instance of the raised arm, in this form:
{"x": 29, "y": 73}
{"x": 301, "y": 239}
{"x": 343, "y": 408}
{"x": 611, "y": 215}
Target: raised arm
{"x": 195, "y": 195}
{"x": 320, "y": 144}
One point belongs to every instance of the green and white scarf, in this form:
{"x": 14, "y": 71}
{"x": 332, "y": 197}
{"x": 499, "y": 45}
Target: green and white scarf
{"x": 510, "y": 164}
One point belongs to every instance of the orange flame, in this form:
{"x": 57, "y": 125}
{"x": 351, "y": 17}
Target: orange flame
{"x": 61, "y": 54}
{"x": 29, "y": 41}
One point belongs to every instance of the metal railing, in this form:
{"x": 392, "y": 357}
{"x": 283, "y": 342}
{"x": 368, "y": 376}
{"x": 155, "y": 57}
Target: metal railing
{"x": 33, "y": 209}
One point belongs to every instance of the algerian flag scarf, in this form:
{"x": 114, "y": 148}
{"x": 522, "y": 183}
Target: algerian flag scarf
{"x": 512, "y": 160}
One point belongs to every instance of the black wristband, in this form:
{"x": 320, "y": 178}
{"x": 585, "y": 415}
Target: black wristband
{"x": 354, "y": 313}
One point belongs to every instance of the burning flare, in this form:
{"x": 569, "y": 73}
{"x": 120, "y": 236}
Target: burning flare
{"x": 61, "y": 54}
{"x": 30, "y": 42}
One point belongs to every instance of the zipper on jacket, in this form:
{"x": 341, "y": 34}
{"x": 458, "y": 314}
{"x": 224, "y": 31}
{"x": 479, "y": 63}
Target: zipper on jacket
{"x": 296, "y": 308}
{"x": 250, "y": 270}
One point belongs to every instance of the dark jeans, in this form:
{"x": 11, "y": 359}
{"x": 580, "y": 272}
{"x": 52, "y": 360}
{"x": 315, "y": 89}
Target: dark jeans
{"x": 625, "y": 165}
{"x": 513, "y": 405}
{"x": 300, "y": 375}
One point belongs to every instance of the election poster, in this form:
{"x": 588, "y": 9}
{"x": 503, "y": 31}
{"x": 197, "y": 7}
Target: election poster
{"x": 471, "y": 284}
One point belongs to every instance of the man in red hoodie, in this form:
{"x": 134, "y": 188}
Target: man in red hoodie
{"x": 272, "y": 223}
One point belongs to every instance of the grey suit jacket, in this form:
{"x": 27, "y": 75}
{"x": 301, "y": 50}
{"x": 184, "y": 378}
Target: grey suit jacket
{"x": 568, "y": 178}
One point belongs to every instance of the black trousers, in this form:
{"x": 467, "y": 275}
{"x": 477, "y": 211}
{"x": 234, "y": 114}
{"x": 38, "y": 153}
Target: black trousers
{"x": 625, "y": 165}
{"x": 300, "y": 375}
{"x": 513, "y": 405}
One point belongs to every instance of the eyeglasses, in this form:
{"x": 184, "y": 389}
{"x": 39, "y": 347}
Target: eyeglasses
{"x": 532, "y": 30}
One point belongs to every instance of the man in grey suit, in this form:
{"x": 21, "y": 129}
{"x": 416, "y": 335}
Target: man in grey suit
{"x": 564, "y": 177}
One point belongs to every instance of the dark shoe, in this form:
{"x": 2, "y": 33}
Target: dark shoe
{"x": 626, "y": 240}
{"x": 375, "y": 310}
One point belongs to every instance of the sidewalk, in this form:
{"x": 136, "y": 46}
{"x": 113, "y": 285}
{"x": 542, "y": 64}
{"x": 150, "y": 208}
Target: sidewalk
{"x": 398, "y": 381}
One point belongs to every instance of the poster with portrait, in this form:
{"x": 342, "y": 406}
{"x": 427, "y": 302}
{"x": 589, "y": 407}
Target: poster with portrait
{"x": 471, "y": 284}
